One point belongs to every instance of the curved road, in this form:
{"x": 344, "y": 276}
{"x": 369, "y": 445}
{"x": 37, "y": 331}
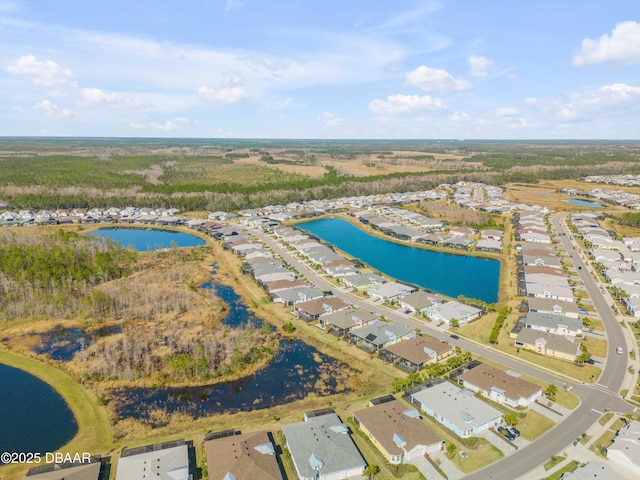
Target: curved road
{"x": 595, "y": 399}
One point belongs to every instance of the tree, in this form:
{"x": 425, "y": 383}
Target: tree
{"x": 583, "y": 357}
{"x": 454, "y": 323}
{"x": 551, "y": 391}
{"x": 371, "y": 471}
{"x": 511, "y": 418}
{"x": 451, "y": 449}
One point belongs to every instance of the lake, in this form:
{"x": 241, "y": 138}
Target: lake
{"x": 149, "y": 239}
{"x": 445, "y": 273}
{"x": 584, "y": 203}
{"x": 35, "y": 418}
{"x": 296, "y": 370}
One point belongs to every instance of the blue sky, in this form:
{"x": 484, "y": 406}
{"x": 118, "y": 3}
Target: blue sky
{"x": 321, "y": 69}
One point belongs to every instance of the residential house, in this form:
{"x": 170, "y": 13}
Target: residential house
{"x": 414, "y": 353}
{"x": 551, "y": 323}
{"x": 241, "y": 456}
{"x": 397, "y": 431}
{"x": 592, "y": 471}
{"x": 460, "y": 243}
{"x": 555, "y": 287}
{"x": 492, "y": 246}
{"x": 391, "y": 291}
{"x": 448, "y": 311}
{"x": 379, "y": 335}
{"x": 161, "y": 461}
{"x": 278, "y": 285}
{"x": 363, "y": 281}
{"x": 342, "y": 322}
{"x": 321, "y": 448}
{"x": 457, "y": 409}
{"x": 86, "y": 470}
{"x": 625, "y": 449}
{"x": 462, "y": 231}
{"x": 549, "y": 344}
{"x": 314, "y": 309}
{"x": 553, "y": 307}
{"x": 291, "y": 296}
{"x": 419, "y": 302}
{"x": 507, "y": 388}
{"x": 491, "y": 234}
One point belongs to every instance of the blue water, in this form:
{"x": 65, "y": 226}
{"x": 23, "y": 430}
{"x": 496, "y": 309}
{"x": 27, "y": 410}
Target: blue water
{"x": 34, "y": 417}
{"x": 149, "y": 239}
{"x": 239, "y": 315}
{"x": 583, "y": 203}
{"x": 445, "y": 273}
{"x": 292, "y": 375}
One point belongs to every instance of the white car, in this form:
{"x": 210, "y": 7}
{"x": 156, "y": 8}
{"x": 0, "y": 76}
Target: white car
{"x": 619, "y": 350}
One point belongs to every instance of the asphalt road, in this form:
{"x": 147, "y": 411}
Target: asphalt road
{"x": 595, "y": 399}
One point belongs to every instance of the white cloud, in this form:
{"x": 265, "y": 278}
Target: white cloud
{"x": 406, "y": 105}
{"x": 51, "y": 110}
{"x": 136, "y": 125}
{"x": 330, "y": 119}
{"x": 434, "y": 79}
{"x": 226, "y": 95}
{"x": 460, "y": 117}
{"x": 44, "y": 73}
{"x": 479, "y": 66}
{"x": 530, "y": 101}
{"x": 97, "y": 96}
{"x": 506, "y": 112}
{"x": 175, "y": 124}
{"x": 623, "y": 47}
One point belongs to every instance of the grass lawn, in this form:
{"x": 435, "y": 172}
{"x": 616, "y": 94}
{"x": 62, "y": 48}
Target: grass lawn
{"x": 605, "y": 418}
{"x": 595, "y": 346}
{"x": 94, "y": 430}
{"x": 555, "y": 460}
{"x": 482, "y": 455}
{"x": 567, "y": 399}
{"x": 603, "y": 442}
{"x": 569, "y": 467}
{"x": 534, "y": 425}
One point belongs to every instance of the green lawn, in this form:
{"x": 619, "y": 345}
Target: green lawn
{"x": 534, "y": 425}
{"x": 569, "y": 467}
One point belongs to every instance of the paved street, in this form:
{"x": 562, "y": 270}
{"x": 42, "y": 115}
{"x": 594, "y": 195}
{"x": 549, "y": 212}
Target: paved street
{"x": 595, "y": 399}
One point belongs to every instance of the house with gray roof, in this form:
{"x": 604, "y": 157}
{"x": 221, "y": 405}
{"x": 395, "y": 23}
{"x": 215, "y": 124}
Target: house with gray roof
{"x": 448, "y": 311}
{"x": 555, "y": 287}
{"x": 549, "y": 344}
{"x": 625, "y": 449}
{"x": 363, "y": 281}
{"x": 550, "y": 323}
{"x": 291, "y": 296}
{"x": 342, "y": 322}
{"x": 379, "y": 335}
{"x": 593, "y": 471}
{"x": 457, "y": 408}
{"x": 419, "y": 302}
{"x": 460, "y": 243}
{"x": 321, "y": 448}
{"x": 397, "y": 431}
{"x": 553, "y": 307}
{"x": 161, "y": 461}
{"x": 391, "y": 291}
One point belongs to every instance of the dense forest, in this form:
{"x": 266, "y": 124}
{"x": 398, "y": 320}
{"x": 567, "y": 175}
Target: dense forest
{"x": 200, "y": 174}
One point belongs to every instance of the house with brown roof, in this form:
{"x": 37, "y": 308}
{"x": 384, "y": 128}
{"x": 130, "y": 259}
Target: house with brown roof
{"x": 506, "y": 388}
{"x": 414, "y": 353}
{"x": 241, "y": 456}
{"x": 397, "y": 431}
{"x": 86, "y": 470}
{"x": 314, "y": 309}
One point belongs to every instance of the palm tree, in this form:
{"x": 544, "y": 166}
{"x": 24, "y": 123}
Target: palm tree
{"x": 371, "y": 471}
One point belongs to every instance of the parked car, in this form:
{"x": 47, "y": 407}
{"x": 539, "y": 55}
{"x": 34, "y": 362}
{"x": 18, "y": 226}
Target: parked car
{"x": 506, "y": 433}
{"x": 454, "y": 336}
{"x": 514, "y": 431}
{"x": 619, "y": 350}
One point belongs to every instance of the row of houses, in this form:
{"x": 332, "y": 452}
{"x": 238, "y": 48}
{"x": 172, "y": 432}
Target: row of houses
{"x": 487, "y": 198}
{"x": 619, "y": 259}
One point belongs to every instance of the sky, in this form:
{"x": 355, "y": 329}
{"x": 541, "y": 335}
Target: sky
{"x": 343, "y": 69}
